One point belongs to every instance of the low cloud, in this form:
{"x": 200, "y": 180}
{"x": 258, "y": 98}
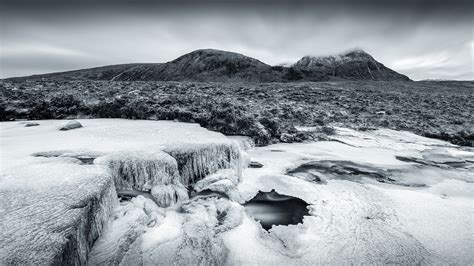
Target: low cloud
{"x": 420, "y": 44}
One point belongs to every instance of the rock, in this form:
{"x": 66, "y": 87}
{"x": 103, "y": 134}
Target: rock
{"x": 71, "y": 125}
{"x": 254, "y": 164}
{"x": 31, "y": 124}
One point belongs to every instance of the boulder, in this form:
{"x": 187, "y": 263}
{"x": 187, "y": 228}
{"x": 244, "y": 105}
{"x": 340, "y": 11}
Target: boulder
{"x": 71, "y": 125}
{"x": 31, "y": 124}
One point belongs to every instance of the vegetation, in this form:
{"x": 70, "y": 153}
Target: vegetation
{"x": 267, "y": 112}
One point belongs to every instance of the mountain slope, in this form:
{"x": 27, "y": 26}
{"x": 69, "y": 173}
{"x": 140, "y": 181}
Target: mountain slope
{"x": 207, "y": 65}
{"x": 210, "y": 65}
{"x": 353, "y": 65}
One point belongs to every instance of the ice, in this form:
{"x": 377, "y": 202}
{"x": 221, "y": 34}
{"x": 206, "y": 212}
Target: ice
{"x": 363, "y": 222}
{"x": 168, "y": 195}
{"x": 130, "y": 220}
{"x": 191, "y": 236}
{"x": 100, "y": 135}
{"x": 55, "y": 202}
{"x": 199, "y": 160}
{"x": 223, "y": 181}
{"x": 352, "y": 218}
{"x": 142, "y": 169}
{"x": 51, "y": 213}
{"x": 167, "y": 173}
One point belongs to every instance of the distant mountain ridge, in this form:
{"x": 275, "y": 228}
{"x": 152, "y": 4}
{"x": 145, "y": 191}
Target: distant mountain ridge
{"x": 353, "y": 65}
{"x": 210, "y": 65}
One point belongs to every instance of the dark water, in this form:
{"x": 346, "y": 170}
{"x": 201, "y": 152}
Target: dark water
{"x": 126, "y": 195}
{"x": 271, "y": 208}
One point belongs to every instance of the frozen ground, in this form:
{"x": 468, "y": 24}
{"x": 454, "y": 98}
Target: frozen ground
{"x": 362, "y": 217}
{"x": 54, "y": 200}
{"x": 374, "y": 197}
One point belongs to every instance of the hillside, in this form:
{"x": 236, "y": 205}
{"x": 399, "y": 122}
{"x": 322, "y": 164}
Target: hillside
{"x": 210, "y": 65}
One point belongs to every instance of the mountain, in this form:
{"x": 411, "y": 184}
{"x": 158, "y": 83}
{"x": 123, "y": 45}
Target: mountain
{"x": 353, "y": 65}
{"x": 205, "y": 65}
{"x": 210, "y": 65}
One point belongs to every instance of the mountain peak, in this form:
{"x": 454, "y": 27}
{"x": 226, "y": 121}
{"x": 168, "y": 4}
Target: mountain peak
{"x": 354, "y": 64}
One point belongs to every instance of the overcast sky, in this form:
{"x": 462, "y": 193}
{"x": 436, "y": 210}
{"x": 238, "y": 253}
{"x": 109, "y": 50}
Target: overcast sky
{"x": 422, "y": 39}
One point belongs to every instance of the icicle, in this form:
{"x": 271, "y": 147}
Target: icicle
{"x": 195, "y": 161}
{"x": 141, "y": 170}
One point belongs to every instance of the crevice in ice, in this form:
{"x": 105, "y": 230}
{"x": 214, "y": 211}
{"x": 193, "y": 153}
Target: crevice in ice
{"x": 439, "y": 160}
{"x": 95, "y": 213}
{"x": 271, "y": 208}
{"x": 321, "y": 171}
{"x": 80, "y": 157}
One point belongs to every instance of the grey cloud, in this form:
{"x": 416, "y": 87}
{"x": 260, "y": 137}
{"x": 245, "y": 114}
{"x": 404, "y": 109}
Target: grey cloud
{"x": 273, "y": 34}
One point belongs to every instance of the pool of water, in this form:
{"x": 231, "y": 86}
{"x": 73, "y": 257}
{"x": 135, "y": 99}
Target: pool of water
{"x": 271, "y": 208}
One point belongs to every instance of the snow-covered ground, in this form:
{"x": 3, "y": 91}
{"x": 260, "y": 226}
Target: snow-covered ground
{"x": 356, "y": 219}
{"x": 54, "y": 201}
{"x": 374, "y": 197}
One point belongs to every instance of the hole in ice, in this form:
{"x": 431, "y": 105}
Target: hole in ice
{"x": 271, "y": 208}
{"x": 321, "y": 171}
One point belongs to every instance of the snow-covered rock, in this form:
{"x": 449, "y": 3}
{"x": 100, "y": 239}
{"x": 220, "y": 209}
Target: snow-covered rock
{"x": 71, "y": 125}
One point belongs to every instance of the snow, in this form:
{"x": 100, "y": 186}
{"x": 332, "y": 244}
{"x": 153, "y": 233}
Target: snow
{"x": 363, "y": 222}
{"x": 424, "y": 216}
{"x": 99, "y": 135}
{"x": 52, "y": 212}
{"x": 55, "y": 200}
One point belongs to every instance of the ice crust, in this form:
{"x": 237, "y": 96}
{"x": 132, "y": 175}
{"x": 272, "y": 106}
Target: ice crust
{"x": 166, "y": 171}
{"x": 189, "y": 237}
{"x": 151, "y": 171}
{"x": 51, "y": 213}
{"x": 199, "y": 160}
{"x": 54, "y": 201}
{"x": 363, "y": 222}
